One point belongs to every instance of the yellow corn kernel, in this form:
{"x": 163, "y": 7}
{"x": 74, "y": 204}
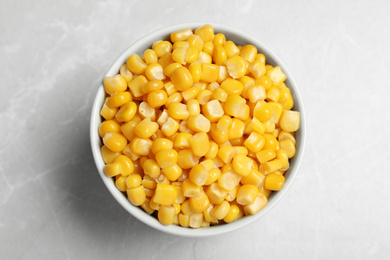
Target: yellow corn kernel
{"x": 129, "y": 153}
{"x": 182, "y": 79}
{"x": 171, "y": 68}
{"x": 208, "y": 164}
{"x": 198, "y": 175}
{"x": 146, "y": 128}
{"x": 290, "y": 120}
{"x": 154, "y": 71}
{"x": 254, "y": 178}
{"x": 223, "y": 73}
{"x": 165, "y": 194}
{"x": 229, "y": 180}
{"x": 166, "y": 158}
{"x": 196, "y": 42}
{"x": 195, "y": 69}
{"x": 150, "y": 56}
{"x": 276, "y": 110}
{"x": 225, "y": 122}
{"x": 277, "y": 75}
{"x": 208, "y": 48}
{"x": 270, "y": 166}
{"x": 259, "y": 203}
{"x": 215, "y": 193}
{"x": 257, "y": 69}
{"x": 149, "y": 182}
{"x": 282, "y": 155}
{"x": 255, "y": 142}
{"x": 269, "y": 126}
{"x": 270, "y": 142}
{"x": 133, "y": 181}
{"x": 283, "y": 135}
{"x": 204, "y": 58}
{"x": 136, "y": 196}
{"x": 260, "y": 57}
{"x": 174, "y": 98}
{"x": 265, "y": 155}
{"x": 213, "y": 150}
{"x": 234, "y": 105}
{"x": 127, "y": 166}
{"x": 232, "y": 214}
{"x": 116, "y": 142}
{"x": 172, "y": 172}
{"x": 238, "y": 149}
{"x": 285, "y": 98}
{"x": 242, "y": 164}
{"x": 162, "y": 179}
{"x": 219, "y": 55}
{"x": 204, "y": 96}
{"x": 136, "y": 85}
{"x": 213, "y": 110}
{"x": 112, "y": 169}
{"x": 247, "y": 82}
{"x": 236, "y": 129}
{"x": 219, "y": 94}
{"x": 221, "y": 210}
{"x": 170, "y": 127}
{"x": 166, "y": 214}
{"x": 231, "y": 49}
{"x": 219, "y": 39}
{"x": 181, "y": 35}
{"x": 157, "y": 98}
{"x": 245, "y": 113}
{"x": 161, "y": 144}
{"x": 151, "y": 168}
{"x": 108, "y": 155}
{"x": 206, "y": 32}
{"x": 236, "y": 66}
{"x": 186, "y": 159}
{"x": 108, "y": 126}
{"x": 193, "y": 107}
{"x": 180, "y": 196}
{"x": 254, "y": 125}
{"x": 232, "y": 86}
{"x": 184, "y": 220}
{"x": 226, "y": 153}
{"x": 248, "y": 53}
{"x": 114, "y": 84}
{"x": 196, "y": 220}
{"x": 153, "y": 205}
{"x": 274, "y": 182}
{"x": 190, "y": 189}
{"x": 177, "y": 208}
{"x": 272, "y": 94}
{"x": 262, "y": 111}
{"x": 182, "y": 140}
{"x": 212, "y": 86}
{"x": 190, "y": 93}
{"x": 256, "y": 93}
{"x": 140, "y": 146}
{"x": 219, "y": 135}
{"x": 126, "y": 112}
{"x": 208, "y": 217}
{"x": 198, "y": 123}
{"x": 119, "y": 99}
{"x": 178, "y": 111}
{"x": 162, "y": 47}
{"x": 126, "y": 74}
{"x": 108, "y": 112}
{"x": 165, "y": 60}
{"x": 146, "y": 206}
{"x": 210, "y": 72}
{"x": 136, "y": 64}
{"x": 199, "y": 144}
{"x": 264, "y": 81}
{"x": 288, "y": 146}
{"x": 247, "y": 194}
{"x": 179, "y": 55}
{"x": 199, "y": 203}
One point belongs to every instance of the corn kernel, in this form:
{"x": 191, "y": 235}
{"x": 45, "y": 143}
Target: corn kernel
{"x": 170, "y": 88}
{"x": 254, "y": 125}
{"x": 213, "y": 150}
{"x": 108, "y": 155}
{"x": 172, "y": 172}
{"x": 166, "y": 158}
{"x": 288, "y": 146}
{"x": 254, "y": 178}
{"x": 255, "y": 142}
{"x": 190, "y": 189}
{"x": 136, "y": 64}
{"x": 174, "y": 98}
{"x": 184, "y": 220}
{"x": 166, "y": 214}
{"x": 114, "y": 84}
{"x": 112, "y": 169}
{"x": 204, "y": 58}
{"x": 170, "y": 127}
{"x": 257, "y": 69}
{"x": 262, "y": 111}
{"x": 182, "y": 78}
{"x": 256, "y": 93}
{"x": 178, "y": 111}
{"x": 247, "y": 194}
{"x": 282, "y": 155}
{"x": 270, "y": 142}
{"x": 265, "y": 155}
{"x": 196, "y": 42}
{"x": 231, "y": 49}
{"x": 119, "y": 99}
{"x": 200, "y": 203}
{"x": 270, "y": 166}
{"x": 116, "y": 142}
{"x": 140, "y": 146}
{"x": 215, "y": 193}
{"x": 259, "y": 203}
{"x": 236, "y": 66}
{"x": 136, "y": 196}
{"x": 233, "y": 214}
{"x": 146, "y": 128}
{"x": 210, "y": 72}
{"x": 290, "y": 120}
{"x": 150, "y": 56}
{"x": 285, "y": 98}
{"x": 242, "y": 164}
{"x": 229, "y": 180}
{"x": 236, "y": 129}
{"x": 133, "y": 181}
{"x": 277, "y": 75}
{"x": 108, "y": 112}
{"x": 226, "y": 153}
{"x": 206, "y": 32}
{"x": 165, "y": 194}
{"x": 274, "y": 182}
{"x": 108, "y": 126}
{"x": 127, "y": 166}
{"x": 181, "y": 35}
{"x": 125, "y": 73}
{"x": 198, "y": 123}
{"x": 219, "y": 55}
{"x": 213, "y": 110}
{"x": 219, "y": 135}
{"x": 162, "y": 48}
{"x": 221, "y": 210}
{"x": 190, "y": 93}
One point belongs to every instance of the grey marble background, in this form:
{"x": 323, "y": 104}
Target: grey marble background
{"x": 53, "y": 56}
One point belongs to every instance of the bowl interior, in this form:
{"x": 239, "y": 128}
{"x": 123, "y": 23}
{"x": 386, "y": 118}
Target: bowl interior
{"x": 139, "y": 46}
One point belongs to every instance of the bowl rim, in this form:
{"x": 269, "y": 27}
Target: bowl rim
{"x": 137, "y": 212}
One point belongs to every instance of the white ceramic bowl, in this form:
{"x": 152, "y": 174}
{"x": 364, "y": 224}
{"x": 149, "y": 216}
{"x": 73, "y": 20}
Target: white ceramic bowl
{"x": 240, "y": 38}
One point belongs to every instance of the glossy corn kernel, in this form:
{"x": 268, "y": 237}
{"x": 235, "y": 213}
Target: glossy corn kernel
{"x": 290, "y": 120}
{"x": 206, "y": 32}
{"x": 140, "y": 146}
{"x": 136, "y": 85}
{"x": 162, "y": 48}
{"x": 112, "y": 169}
{"x": 126, "y": 112}
{"x": 254, "y": 125}
{"x": 226, "y": 153}
{"x": 265, "y": 155}
{"x": 190, "y": 189}
{"x": 190, "y": 93}
{"x": 198, "y": 175}
{"x": 108, "y": 112}
{"x": 213, "y": 150}
{"x": 270, "y": 166}
{"x": 225, "y": 122}
{"x": 193, "y": 107}
{"x": 232, "y": 86}
{"x": 254, "y": 178}
{"x": 274, "y": 182}
{"x": 133, "y": 181}
{"x": 127, "y": 165}
{"x": 219, "y": 135}
{"x": 166, "y": 214}
{"x": 215, "y": 193}
{"x": 204, "y": 58}
{"x": 172, "y": 172}
{"x": 108, "y": 126}
{"x": 119, "y": 99}
{"x": 116, "y": 142}
{"x": 196, "y": 220}
{"x": 186, "y": 159}
{"x": 125, "y": 73}
{"x": 174, "y": 98}
{"x": 154, "y": 71}
{"x": 255, "y": 142}
{"x": 234, "y": 105}
{"x": 219, "y": 94}
{"x": 231, "y": 49}
{"x": 236, "y": 129}
{"x": 199, "y": 203}
{"x": 208, "y": 48}
{"x": 157, "y": 98}
{"x": 114, "y": 84}
{"x": 150, "y": 56}
{"x": 182, "y": 140}
{"x": 196, "y": 42}
{"x": 288, "y": 146}
{"x": 146, "y": 206}
{"x": 262, "y": 111}
{"x": 219, "y": 39}
{"x": 282, "y": 155}
{"x": 210, "y": 72}
{"x": 277, "y": 75}
{"x": 221, "y": 210}
{"x": 170, "y": 88}
{"x": 146, "y": 128}
{"x": 151, "y": 168}
{"x": 166, "y": 158}
{"x": 171, "y": 68}
{"x": 178, "y": 111}
{"x": 285, "y": 98}
{"x": 184, "y": 220}
{"x": 165, "y": 194}
{"x": 170, "y": 127}
{"x": 199, "y": 123}
{"x": 271, "y": 142}
{"x": 242, "y": 164}
{"x": 232, "y": 214}
{"x": 259, "y": 203}
{"x": 181, "y": 35}
{"x": 161, "y": 144}
{"x": 229, "y": 180}
{"x": 257, "y": 69}
{"x": 283, "y": 135}
{"x": 256, "y": 93}
{"x": 219, "y": 55}
{"x": 182, "y": 78}
{"x": 248, "y": 53}
{"x": 247, "y": 194}
{"x": 136, "y": 196}
{"x": 236, "y": 67}
{"x": 108, "y": 155}
{"x": 213, "y": 110}
{"x": 136, "y": 64}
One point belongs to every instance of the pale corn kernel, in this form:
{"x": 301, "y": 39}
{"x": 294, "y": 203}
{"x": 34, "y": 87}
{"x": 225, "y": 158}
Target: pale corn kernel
{"x": 174, "y": 98}
{"x": 206, "y": 32}
{"x": 204, "y": 58}
{"x": 199, "y": 123}
{"x": 165, "y": 194}
{"x": 213, "y": 110}
{"x": 178, "y": 111}
{"x": 199, "y": 203}
{"x": 137, "y": 118}
{"x": 146, "y": 206}
{"x": 196, "y": 42}
{"x": 221, "y": 210}
{"x": 257, "y": 69}
{"x": 170, "y": 88}
{"x": 269, "y": 126}
{"x": 232, "y": 86}
{"x": 181, "y": 35}
{"x": 114, "y": 84}
{"x": 198, "y": 175}
{"x": 146, "y": 128}
{"x": 165, "y": 59}
{"x": 204, "y": 96}
{"x": 190, "y": 189}
{"x": 272, "y": 94}
{"x": 172, "y": 172}
{"x": 207, "y": 217}
{"x": 166, "y": 214}
{"x": 180, "y": 44}
{"x": 248, "y": 53}
{"x": 196, "y": 220}
{"x": 182, "y": 140}
{"x": 149, "y": 182}
{"x": 254, "y": 125}
{"x": 145, "y": 110}
{"x": 182, "y": 79}
{"x": 236, "y": 67}
{"x": 277, "y": 75}
{"x": 232, "y": 194}
{"x": 283, "y": 135}
{"x": 108, "y": 126}
{"x": 238, "y": 149}
{"x": 232, "y": 214}
{"x": 126, "y": 74}
{"x": 140, "y": 146}
{"x": 184, "y": 127}
{"x": 108, "y": 155}
{"x": 215, "y": 193}
{"x": 213, "y": 150}
{"x": 219, "y": 94}
{"x": 247, "y": 194}
{"x": 184, "y": 220}
{"x": 208, "y": 48}
{"x": 136, "y": 64}
{"x": 162, "y": 179}
{"x": 223, "y": 73}
{"x": 231, "y": 49}
{"x": 259, "y": 203}
{"x": 254, "y": 177}
{"x": 180, "y": 196}
{"x": 136, "y": 196}
{"x": 226, "y": 153}
{"x": 179, "y": 55}
{"x": 236, "y": 129}
{"x": 127, "y": 151}
{"x": 162, "y": 47}
{"x": 247, "y": 82}
{"x": 290, "y": 120}
{"x": 151, "y": 168}
{"x": 229, "y": 180}
{"x": 234, "y": 105}
{"x": 283, "y": 156}
{"x": 255, "y": 142}
{"x": 177, "y": 208}
{"x": 225, "y": 122}
{"x": 127, "y": 165}
{"x": 242, "y": 164}
{"x": 133, "y": 181}
{"x": 154, "y": 71}
{"x": 116, "y": 142}
{"x": 152, "y": 85}
{"x": 166, "y": 158}
{"x": 119, "y": 99}
{"x": 186, "y": 159}
{"x": 108, "y": 112}
{"x": 285, "y": 98}
{"x": 199, "y": 144}
{"x": 193, "y": 107}
{"x": 210, "y": 72}
{"x": 288, "y": 146}
{"x": 150, "y": 56}
{"x": 170, "y": 127}
{"x": 274, "y": 182}
{"x": 208, "y": 164}
{"x": 153, "y": 205}
{"x": 190, "y": 93}
{"x": 255, "y": 93}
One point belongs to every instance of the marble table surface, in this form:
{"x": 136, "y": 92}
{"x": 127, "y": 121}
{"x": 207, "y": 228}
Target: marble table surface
{"x": 53, "y": 57}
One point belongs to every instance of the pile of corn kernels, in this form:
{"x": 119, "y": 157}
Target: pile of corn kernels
{"x": 197, "y": 130}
